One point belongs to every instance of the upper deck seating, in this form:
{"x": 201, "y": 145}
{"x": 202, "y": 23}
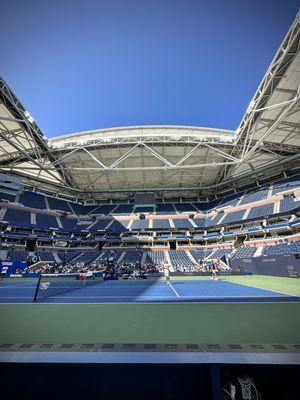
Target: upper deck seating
{"x": 185, "y": 207}
{"x": 101, "y": 224}
{"x": 200, "y": 222}
{"x": 118, "y": 226}
{"x": 80, "y": 209}
{"x": 140, "y": 224}
{"x": 46, "y": 221}
{"x": 68, "y": 223}
{"x": 58, "y": 204}
{"x": 18, "y": 217}
{"x": 214, "y": 220}
{"x": 32, "y": 199}
{"x": 259, "y": 194}
{"x": 162, "y": 224}
{"x": 230, "y": 200}
{"x": 286, "y": 184}
{"x": 143, "y": 209}
{"x": 104, "y": 209}
{"x": 234, "y": 216}
{"x": 165, "y": 208}
{"x": 288, "y": 203}
{"x": 182, "y": 223}
{"x": 261, "y": 211}
{"x": 123, "y": 209}
{"x": 7, "y": 196}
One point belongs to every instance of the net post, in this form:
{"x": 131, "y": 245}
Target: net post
{"x": 37, "y": 288}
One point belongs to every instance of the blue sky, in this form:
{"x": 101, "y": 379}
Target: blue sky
{"x": 87, "y": 64}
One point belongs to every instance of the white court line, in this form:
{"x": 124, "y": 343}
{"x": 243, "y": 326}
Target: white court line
{"x": 268, "y": 290}
{"x": 174, "y": 290}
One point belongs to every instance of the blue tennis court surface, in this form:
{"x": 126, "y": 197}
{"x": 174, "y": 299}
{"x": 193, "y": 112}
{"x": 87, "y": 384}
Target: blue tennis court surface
{"x": 145, "y": 291}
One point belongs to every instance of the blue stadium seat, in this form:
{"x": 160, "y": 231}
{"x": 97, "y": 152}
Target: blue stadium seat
{"x": 104, "y": 209}
{"x": 261, "y": 211}
{"x": 68, "y": 256}
{"x": 155, "y": 257}
{"x": 46, "y": 221}
{"x": 68, "y": 223}
{"x": 230, "y": 200}
{"x": 123, "y": 209}
{"x": 233, "y": 217}
{"x": 200, "y": 255}
{"x": 200, "y": 222}
{"x": 58, "y": 204}
{"x": 17, "y": 255}
{"x": 162, "y": 224}
{"x": 165, "y": 208}
{"x": 185, "y": 207}
{"x": 118, "y": 226}
{"x": 182, "y": 223}
{"x": 45, "y": 256}
{"x": 132, "y": 257}
{"x": 88, "y": 257}
{"x": 288, "y": 203}
{"x": 179, "y": 258}
{"x": 140, "y": 224}
{"x": 245, "y": 252}
{"x": 144, "y": 209}
{"x": 32, "y": 199}
{"x": 221, "y": 253}
{"x": 259, "y": 194}
{"x": 282, "y": 248}
{"x": 7, "y": 196}
{"x": 286, "y": 184}
{"x": 80, "y": 209}
{"x": 18, "y": 217}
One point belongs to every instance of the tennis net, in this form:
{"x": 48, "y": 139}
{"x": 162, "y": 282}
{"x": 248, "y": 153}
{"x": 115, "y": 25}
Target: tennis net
{"x": 50, "y": 285}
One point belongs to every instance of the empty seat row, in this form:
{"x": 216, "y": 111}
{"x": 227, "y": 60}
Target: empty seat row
{"x": 200, "y": 255}
{"x": 155, "y": 257}
{"x": 245, "y": 252}
{"x": 179, "y": 258}
{"x": 282, "y": 248}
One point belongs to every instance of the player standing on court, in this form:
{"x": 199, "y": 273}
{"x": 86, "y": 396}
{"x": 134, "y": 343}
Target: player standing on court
{"x": 167, "y": 274}
{"x": 214, "y": 272}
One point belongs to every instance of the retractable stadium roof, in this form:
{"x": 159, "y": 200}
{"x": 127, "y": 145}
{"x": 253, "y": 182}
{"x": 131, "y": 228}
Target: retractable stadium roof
{"x": 173, "y": 161}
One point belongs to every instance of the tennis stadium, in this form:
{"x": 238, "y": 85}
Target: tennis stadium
{"x": 155, "y": 244}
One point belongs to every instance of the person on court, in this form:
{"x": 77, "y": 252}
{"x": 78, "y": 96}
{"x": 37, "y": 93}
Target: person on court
{"x": 167, "y": 274}
{"x": 214, "y": 272}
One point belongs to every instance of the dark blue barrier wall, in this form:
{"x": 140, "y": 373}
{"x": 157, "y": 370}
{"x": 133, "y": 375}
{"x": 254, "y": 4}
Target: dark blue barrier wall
{"x": 283, "y": 265}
